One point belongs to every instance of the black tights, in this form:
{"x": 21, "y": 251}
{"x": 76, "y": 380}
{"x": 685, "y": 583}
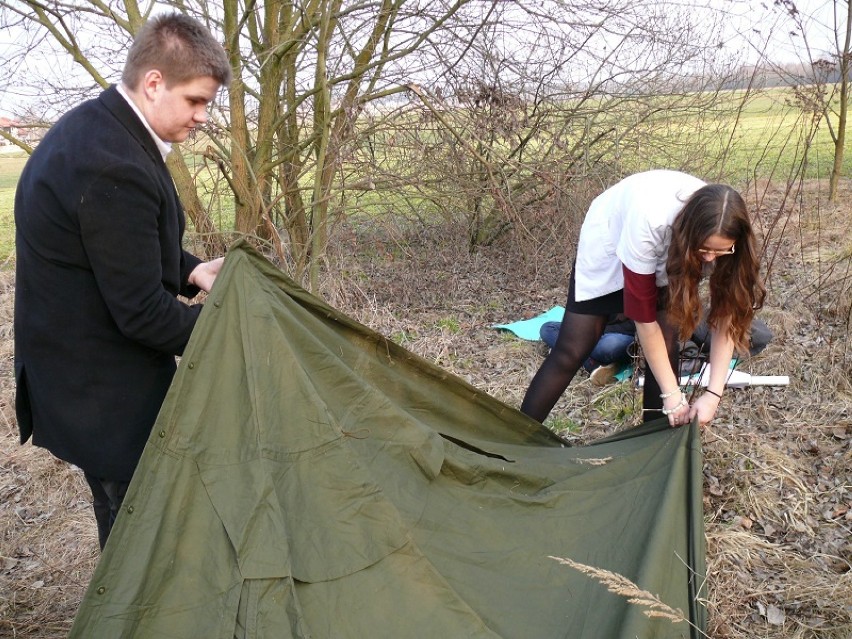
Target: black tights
{"x": 577, "y": 337}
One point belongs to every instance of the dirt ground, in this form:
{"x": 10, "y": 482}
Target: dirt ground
{"x": 778, "y": 460}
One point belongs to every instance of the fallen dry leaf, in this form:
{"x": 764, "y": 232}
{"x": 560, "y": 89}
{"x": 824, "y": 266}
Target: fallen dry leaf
{"x": 775, "y": 616}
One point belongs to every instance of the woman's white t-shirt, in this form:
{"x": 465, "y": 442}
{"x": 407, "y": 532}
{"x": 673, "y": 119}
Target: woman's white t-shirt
{"x": 630, "y": 223}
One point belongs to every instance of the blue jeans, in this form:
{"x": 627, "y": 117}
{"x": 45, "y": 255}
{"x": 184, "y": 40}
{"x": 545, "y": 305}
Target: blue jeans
{"x": 611, "y": 347}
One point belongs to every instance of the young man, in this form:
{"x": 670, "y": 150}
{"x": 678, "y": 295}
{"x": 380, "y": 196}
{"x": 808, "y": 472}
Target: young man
{"x": 100, "y": 262}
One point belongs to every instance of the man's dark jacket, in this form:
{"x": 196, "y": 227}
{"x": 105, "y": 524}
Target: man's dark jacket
{"x": 99, "y": 266}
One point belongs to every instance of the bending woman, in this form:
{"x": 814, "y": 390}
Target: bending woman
{"x": 644, "y": 245}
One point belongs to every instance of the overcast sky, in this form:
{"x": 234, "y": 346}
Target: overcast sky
{"x": 817, "y": 19}
{"x": 756, "y": 28}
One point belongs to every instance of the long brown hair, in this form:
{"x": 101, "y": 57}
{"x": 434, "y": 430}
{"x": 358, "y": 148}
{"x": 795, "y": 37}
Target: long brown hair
{"x": 736, "y": 291}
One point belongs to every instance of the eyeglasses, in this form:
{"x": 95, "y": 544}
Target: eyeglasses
{"x": 716, "y": 252}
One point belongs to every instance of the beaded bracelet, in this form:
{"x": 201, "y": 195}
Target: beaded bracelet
{"x": 707, "y": 390}
{"x": 670, "y": 393}
{"x": 682, "y": 403}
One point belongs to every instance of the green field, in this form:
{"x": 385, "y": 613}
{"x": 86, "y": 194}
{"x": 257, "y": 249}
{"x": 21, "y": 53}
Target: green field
{"x": 766, "y": 136}
{"x": 10, "y": 169}
{"x": 774, "y": 137}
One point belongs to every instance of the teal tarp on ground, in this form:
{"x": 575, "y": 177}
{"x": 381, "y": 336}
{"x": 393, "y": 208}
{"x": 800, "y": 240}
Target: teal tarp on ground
{"x": 308, "y": 478}
{"x": 529, "y": 329}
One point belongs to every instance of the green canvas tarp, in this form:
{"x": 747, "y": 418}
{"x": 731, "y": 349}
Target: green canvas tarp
{"x": 307, "y": 477}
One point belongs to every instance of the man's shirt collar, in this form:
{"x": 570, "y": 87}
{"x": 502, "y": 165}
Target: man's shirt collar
{"x": 164, "y": 147}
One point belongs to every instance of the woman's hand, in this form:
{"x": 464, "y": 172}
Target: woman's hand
{"x": 721, "y": 351}
{"x": 704, "y": 408}
{"x": 676, "y": 408}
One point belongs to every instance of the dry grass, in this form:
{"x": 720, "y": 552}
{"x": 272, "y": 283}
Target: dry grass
{"x": 48, "y": 540}
{"x": 778, "y": 471}
{"x": 652, "y": 606}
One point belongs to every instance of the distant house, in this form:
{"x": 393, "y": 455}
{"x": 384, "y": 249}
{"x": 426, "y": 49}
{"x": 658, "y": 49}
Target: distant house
{"x": 12, "y": 127}
{"x": 16, "y": 128}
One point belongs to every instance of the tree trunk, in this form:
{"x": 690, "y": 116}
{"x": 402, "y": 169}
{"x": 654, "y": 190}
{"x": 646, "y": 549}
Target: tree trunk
{"x": 211, "y": 239}
{"x": 840, "y": 140}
